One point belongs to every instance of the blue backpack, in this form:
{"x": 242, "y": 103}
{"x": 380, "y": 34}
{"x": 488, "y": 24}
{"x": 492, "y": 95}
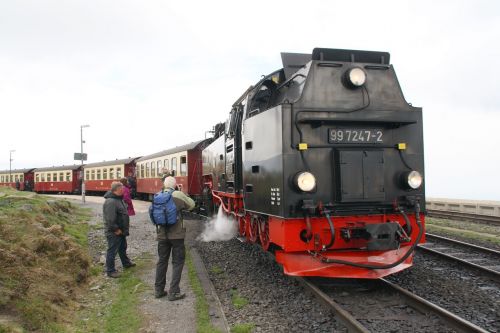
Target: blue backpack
{"x": 163, "y": 210}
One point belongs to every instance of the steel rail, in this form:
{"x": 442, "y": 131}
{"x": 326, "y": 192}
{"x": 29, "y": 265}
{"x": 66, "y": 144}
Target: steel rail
{"x": 491, "y": 273}
{"x": 352, "y": 324}
{"x": 488, "y": 219}
{"x": 425, "y": 306}
{"x": 465, "y": 244}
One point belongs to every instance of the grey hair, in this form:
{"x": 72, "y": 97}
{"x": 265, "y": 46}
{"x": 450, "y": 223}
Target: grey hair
{"x": 115, "y": 186}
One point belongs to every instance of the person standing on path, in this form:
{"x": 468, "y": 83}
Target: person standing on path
{"x": 116, "y": 222}
{"x": 127, "y": 196}
{"x": 171, "y": 240}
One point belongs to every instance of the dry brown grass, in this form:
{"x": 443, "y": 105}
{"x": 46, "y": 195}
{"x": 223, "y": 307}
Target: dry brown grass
{"x": 43, "y": 260}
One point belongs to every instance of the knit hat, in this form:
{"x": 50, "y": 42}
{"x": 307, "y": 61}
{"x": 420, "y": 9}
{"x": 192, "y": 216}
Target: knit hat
{"x": 169, "y": 182}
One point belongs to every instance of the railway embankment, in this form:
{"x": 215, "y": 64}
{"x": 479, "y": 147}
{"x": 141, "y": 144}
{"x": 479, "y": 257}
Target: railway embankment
{"x": 44, "y": 263}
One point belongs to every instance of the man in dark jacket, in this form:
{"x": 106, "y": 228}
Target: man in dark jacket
{"x": 116, "y": 222}
{"x": 171, "y": 239}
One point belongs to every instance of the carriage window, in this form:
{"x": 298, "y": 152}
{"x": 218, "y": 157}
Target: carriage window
{"x": 87, "y": 174}
{"x": 142, "y": 170}
{"x": 118, "y": 173}
{"x": 174, "y": 166}
{"x": 158, "y": 167}
{"x": 21, "y": 178}
{"x": 37, "y": 177}
{"x": 147, "y": 170}
{"x": 1, "y": 179}
{"x": 54, "y": 177}
{"x": 153, "y": 169}
{"x": 111, "y": 173}
{"x": 98, "y": 173}
{"x": 42, "y": 177}
{"x": 48, "y": 177}
{"x": 92, "y": 174}
{"x": 68, "y": 176}
{"x": 165, "y": 163}
{"x": 61, "y": 176}
{"x": 183, "y": 166}
{"x": 104, "y": 174}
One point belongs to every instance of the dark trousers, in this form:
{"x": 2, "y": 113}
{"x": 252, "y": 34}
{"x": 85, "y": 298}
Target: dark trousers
{"x": 116, "y": 244}
{"x": 165, "y": 246}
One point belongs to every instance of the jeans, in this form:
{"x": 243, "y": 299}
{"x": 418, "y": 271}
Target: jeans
{"x": 165, "y": 246}
{"x": 116, "y": 244}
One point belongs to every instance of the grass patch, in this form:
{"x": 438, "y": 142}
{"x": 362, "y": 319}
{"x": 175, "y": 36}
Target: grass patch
{"x": 45, "y": 262}
{"x": 465, "y": 225}
{"x": 124, "y": 315}
{"x": 216, "y": 270}
{"x": 464, "y": 233}
{"x": 242, "y": 328}
{"x": 203, "y": 323}
{"x": 238, "y": 301}
{"x": 114, "y": 307}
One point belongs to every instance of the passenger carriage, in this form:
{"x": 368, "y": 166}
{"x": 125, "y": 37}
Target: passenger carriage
{"x": 24, "y": 176}
{"x": 184, "y": 163}
{"x": 99, "y": 176}
{"x": 59, "y": 179}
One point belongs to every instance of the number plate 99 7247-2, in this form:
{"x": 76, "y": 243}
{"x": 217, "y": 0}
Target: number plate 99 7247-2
{"x": 355, "y": 135}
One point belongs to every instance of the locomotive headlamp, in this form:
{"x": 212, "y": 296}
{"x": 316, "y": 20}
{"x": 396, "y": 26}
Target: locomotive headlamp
{"x": 356, "y": 77}
{"x": 412, "y": 179}
{"x": 305, "y": 181}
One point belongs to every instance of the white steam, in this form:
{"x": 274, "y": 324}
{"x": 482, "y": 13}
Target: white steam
{"x": 219, "y": 228}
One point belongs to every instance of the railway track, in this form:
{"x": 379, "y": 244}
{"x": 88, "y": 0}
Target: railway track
{"x": 487, "y": 219}
{"x": 381, "y": 306}
{"x": 484, "y": 260}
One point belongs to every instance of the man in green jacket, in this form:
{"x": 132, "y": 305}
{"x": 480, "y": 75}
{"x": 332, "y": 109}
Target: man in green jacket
{"x": 116, "y": 222}
{"x": 171, "y": 239}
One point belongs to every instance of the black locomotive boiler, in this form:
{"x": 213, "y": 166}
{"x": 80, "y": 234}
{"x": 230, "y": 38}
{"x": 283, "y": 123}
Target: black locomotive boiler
{"x": 323, "y": 161}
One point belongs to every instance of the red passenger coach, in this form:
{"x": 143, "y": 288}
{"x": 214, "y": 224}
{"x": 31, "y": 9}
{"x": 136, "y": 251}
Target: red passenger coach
{"x": 11, "y": 177}
{"x": 60, "y": 179}
{"x": 99, "y": 176}
{"x": 183, "y": 162}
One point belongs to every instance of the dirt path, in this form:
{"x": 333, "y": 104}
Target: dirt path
{"x": 160, "y": 315}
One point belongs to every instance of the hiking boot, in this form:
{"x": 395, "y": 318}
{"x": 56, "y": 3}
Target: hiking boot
{"x": 114, "y": 274}
{"x": 176, "y": 296}
{"x": 130, "y": 264}
{"x": 161, "y": 294}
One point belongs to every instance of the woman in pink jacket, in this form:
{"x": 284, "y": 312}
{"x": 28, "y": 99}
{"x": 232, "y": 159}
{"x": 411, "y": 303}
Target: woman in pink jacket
{"x": 126, "y": 197}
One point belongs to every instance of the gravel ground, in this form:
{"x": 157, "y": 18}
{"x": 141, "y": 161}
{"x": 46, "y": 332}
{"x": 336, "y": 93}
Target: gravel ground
{"x": 276, "y": 303}
{"x": 159, "y": 315}
{"x": 454, "y": 288}
{"x": 380, "y": 308}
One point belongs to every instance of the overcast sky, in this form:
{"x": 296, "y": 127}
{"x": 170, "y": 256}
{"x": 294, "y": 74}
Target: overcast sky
{"x": 150, "y": 75}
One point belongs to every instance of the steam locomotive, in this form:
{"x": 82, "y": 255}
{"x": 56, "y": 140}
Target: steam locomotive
{"x": 322, "y": 163}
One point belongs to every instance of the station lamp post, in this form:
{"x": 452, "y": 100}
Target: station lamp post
{"x": 81, "y": 158}
{"x": 10, "y": 164}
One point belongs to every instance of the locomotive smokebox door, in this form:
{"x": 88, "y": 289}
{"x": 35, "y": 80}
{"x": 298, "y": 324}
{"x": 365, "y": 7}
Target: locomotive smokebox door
{"x": 360, "y": 175}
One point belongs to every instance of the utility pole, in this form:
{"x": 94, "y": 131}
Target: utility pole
{"x": 10, "y": 164}
{"x": 81, "y": 158}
